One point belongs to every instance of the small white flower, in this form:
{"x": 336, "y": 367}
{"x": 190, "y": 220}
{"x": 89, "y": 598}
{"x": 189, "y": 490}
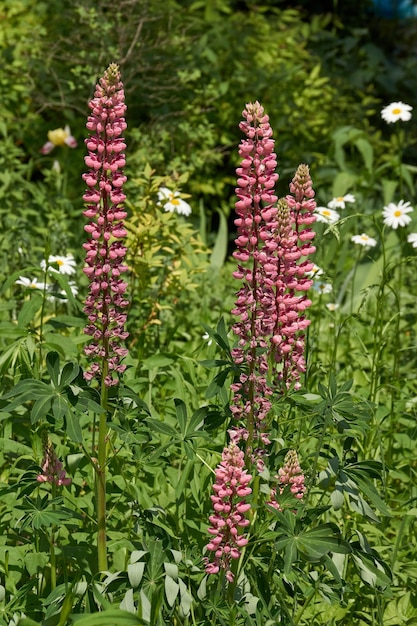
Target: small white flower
{"x": 328, "y": 216}
{"x": 207, "y": 338}
{"x": 56, "y": 295}
{"x": 322, "y": 287}
{"x": 172, "y": 202}
{"x": 32, "y": 283}
{"x": 396, "y": 111}
{"x": 332, "y": 306}
{"x": 412, "y": 238}
{"x": 66, "y": 264}
{"x": 315, "y": 272}
{"x": 396, "y": 214}
{"x": 340, "y": 201}
{"x": 364, "y": 240}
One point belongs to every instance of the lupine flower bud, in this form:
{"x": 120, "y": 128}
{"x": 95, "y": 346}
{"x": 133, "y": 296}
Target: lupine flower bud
{"x": 290, "y": 475}
{"x": 52, "y": 468}
{"x": 105, "y": 251}
{"x": 231, "y": 488}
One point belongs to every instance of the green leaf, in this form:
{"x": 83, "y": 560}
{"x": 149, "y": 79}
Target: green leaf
{"x": 41, "y": 408}
{"x": 156, "y": 361}
{"x": 110, "y": 617}
{"x": 135, "y": 573}
{"x": 69, "y": 373}
{"x": 290, "y": 556}
{"x": 161, "y": 427}
{"x": 197, "y": 420}
{"x": 181, "y": 412}
{"x": 26, "y": 621}
{"x": 219, "y": 252}
{"x": 29, "y": 310}
{"x": 52, "y": 364}
{"x": 171, "y": 590}
{"x": 367, "y": 152}
{"x": 73, "y": 428}
{"x": 35, "y": 561}
{"x": 217, "y": 384}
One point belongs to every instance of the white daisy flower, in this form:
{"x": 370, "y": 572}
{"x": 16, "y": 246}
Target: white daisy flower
{"x": 396, "y": 214}
{"x": 396, "y": 111}
{"x": 412, "y": 238}
{"x": 322, "y": 287}
{"x": 32, "y": 283}
{"x": 315, "y": 272}
{"x": 328, "y": 216}
{"x": 332, "y": 306}
{"x": 340, "y": 201}
{"x": 66, "y": 264}
{"x": 61, "y": 295}
{"x": 364, "y": 240}
{"x": 172, "y": 202}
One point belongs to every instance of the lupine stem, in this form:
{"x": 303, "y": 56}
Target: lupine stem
{"x": 53, "y": 556}
{"x": 100, "y": 470}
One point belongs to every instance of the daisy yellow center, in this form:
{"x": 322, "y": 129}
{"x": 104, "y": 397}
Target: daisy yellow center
{"x": 396, "y": 111}
{"x": 340, "y": 198}
{"x": 59, "y": 262}
{"x": 326, "y": 213}
{"x": 175, "y": 201}
{"x": 397, "y": 213}
{"x": 365, "y": 237}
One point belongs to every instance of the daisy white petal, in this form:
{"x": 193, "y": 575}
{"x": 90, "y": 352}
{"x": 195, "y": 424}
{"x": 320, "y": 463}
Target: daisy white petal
{"x": 172, "y": 202}
{"x": 396, "y": 214}
{"x": 326, "y": 215}
{"x": 340, "y": 201}
{"x": 32, "y": 283}
{"x": 412, "y": 238}
{"x": 364, "y": 240}
{"x": 66, "y": 264}
{"x": 396, "y": 111}
{"x": 322, "y": 287}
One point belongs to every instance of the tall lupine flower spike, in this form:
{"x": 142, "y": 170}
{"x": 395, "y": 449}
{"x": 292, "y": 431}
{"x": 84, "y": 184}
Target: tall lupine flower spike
{"x": 231, "y": 489}
{"x": 105, "y": 250}
{"x": 52, "y": 468}
{"x": 292, "y": 280}
{"x": 256, "y": 223}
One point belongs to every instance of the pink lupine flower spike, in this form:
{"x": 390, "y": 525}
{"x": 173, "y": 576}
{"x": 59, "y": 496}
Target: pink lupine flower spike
{"x": 105, "y": 251}
{"x": 231, "y": 488}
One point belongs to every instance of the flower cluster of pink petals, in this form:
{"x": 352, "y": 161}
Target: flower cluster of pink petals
{"x": 290, "y": 475}
{"x": 291, "y": 280}
{"x": 274, "y": 239}
{"x": 256, "y": 222}
{"x": 231, "y": 488}
{"x": 105, "y": 251}
{"x": 52, "y": 468}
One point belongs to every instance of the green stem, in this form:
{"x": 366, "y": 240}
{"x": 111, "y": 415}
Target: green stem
{"x": 52, "y": 541}
{"x": 100, "y": 469}
{"x": 305, "y": 605}
{"x": 398, "y": 541}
